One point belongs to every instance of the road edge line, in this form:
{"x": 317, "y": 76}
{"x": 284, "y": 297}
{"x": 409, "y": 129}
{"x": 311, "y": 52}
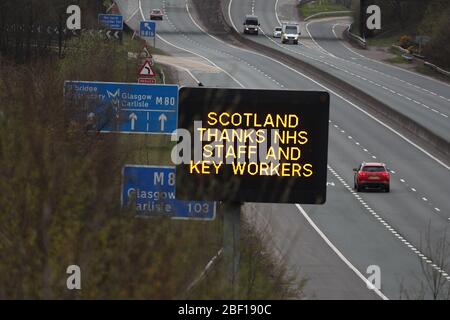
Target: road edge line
{"x": 369, "y": 285}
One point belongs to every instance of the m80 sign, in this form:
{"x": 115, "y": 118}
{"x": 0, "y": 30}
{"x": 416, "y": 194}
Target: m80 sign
{"x": 252, "y": 145}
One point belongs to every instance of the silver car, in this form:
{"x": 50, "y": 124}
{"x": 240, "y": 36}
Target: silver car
{"x": 277, "y": 32}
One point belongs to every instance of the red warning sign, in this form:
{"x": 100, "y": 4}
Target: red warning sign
{"x": 147, "y": 80}
{"x": 147, "y": 70}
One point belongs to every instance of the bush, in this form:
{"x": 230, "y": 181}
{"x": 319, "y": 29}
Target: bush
{"x": 405, "y": 41}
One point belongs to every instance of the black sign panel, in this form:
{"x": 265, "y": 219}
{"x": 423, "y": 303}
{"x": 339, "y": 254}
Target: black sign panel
{"x": 252, "y": 145}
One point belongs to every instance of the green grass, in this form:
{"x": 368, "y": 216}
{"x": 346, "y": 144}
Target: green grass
{"x": 260, "y": 278}
{"x": 319, "y": 6}
{"x": 432, "y": 73}
{"x": 147, "y": 149}
{"x": 386, "y": 39}
{"x": 383, "y": 41}
{"x": 398, "y": 59}
{"x": 391, "y": 36}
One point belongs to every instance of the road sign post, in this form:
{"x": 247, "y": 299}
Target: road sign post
{"x": 231, "y": 244}
{"x": 422, "y": 41}
{"x": 251, "y": 146}
{"x": 114, "y": 25}
{"x": 111, "y": 21}
{"x": 125, "y": 107}
{"x": 150, "y": 191}
{"x": 362, "y": 17}
{"x": 147, "y": 29}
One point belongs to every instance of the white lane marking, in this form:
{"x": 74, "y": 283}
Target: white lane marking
{"x": 305, "y": 215}
{"x": 276, "y": 12}
{"x": 132, "y": 15}
{"x": 188, "y": 72}
{"x": 365, "y": 67}
{"x": 360, "y": 109}
{"x": 224, "y": 43}
{"x": 398, "y": 68}
{"x": 315, "y": 42}
{"x": 191, "y": 52}
{"x": 387, "y": 226}
{"x": 340, "y": 255}
{"x": 392, "y": 171}
{"x": 380, "y": 72}
{"x": 203, "y": 57}
{"x": 229, "y": 14}
{"x": 346, "y": 100}
{"x": 374, "y": 118}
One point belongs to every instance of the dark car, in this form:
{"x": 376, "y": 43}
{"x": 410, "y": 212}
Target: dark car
{"x": 251, "y": 24}
{"x": 156, "y": 14}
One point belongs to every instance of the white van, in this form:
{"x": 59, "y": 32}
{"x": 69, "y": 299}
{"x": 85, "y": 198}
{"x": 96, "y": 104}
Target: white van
{"x": 290, "y": 32}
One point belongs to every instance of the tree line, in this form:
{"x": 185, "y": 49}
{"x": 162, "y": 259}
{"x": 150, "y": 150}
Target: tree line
{"x": 413, "y": 18}
{"x": 33, "y": 28}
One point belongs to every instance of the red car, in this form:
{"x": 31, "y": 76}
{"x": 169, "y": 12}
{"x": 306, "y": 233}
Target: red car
{"x": 372, "y": 175}
{"x": 156, "y": 14}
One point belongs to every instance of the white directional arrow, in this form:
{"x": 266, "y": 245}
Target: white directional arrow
{"x": 331, "y": 184}
{"x": 162, "y": 118}
{"x": 133, "y": 118}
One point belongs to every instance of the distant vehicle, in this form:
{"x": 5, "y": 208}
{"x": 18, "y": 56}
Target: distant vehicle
{"x": 290, "y": 32}
{"x": 156, "y": 14}
{"x": 251, "y": 24}
{"x": 277, "y": 32}
{"x": 372, "y": 175}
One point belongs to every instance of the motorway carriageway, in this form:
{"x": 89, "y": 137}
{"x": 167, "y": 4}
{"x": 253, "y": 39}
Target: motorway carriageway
{"x": 332, "y": 245}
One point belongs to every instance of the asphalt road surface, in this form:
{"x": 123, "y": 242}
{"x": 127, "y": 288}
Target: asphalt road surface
{"x": 421, "y": 98}
{"x": 333, "y": 245}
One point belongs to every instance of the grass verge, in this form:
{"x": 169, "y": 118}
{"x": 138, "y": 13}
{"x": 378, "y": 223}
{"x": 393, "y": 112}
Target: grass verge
{"x": 60, "y": 197}
{"x": 315, "y": 7}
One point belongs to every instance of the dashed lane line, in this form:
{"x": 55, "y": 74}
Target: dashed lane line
{"x": 383, "y": 222}
{"x": 402, "y": 180}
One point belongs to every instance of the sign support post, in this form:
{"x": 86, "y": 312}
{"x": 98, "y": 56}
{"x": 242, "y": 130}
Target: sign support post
{"x": 147, "y": 29}
{"x": 231, "y": 245}
{"x": 266, "y": 165}
{"x": 362, "y": 15}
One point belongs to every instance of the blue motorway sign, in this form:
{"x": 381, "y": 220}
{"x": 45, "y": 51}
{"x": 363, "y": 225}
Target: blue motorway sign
{"x": 150, "y": 190}
{"x": 126, "y": 107}
{"x": 147, "y": 29}
{"x": 111, "y": 21}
